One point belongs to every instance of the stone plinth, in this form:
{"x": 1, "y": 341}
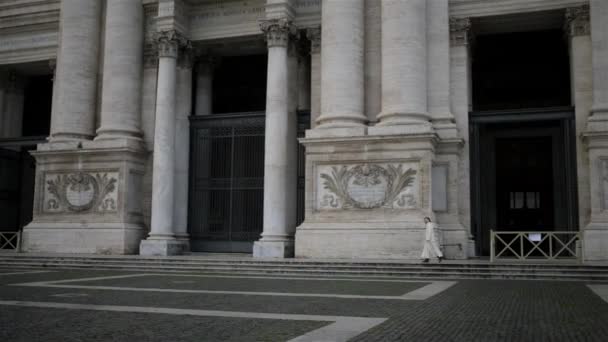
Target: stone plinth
{"x": 367, "y": 196}
{"x": 87, "y": 198}
{"x": 163, "y": 247}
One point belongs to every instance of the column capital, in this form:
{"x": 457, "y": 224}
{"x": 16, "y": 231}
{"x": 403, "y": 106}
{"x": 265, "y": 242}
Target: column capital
{"x": 460, "y": 31}
{"x": 169, "y": 42}
{"x": 278, "y": 31}
{"x": 314, "y": 35}
{"x": 577, "y": 21}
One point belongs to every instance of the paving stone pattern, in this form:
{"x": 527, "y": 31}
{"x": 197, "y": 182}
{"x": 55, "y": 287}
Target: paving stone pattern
{"x": 471, "y": 310}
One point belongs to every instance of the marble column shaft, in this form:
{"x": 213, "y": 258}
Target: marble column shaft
{"x": 204, "y": 86}
{"x": 314, "y": 35}
{"x": 304, "y": 86}
{"x": 122, "y": 72}
{"x": 183, "y": 109}
{"x": 164, "y": 141}
{"x": 276, "y": 157}
{"x": 404, "y": 62}
{"x": 599, "y": 38}
{"x": 438, "y": 72}
{"x": 342, "y": 60}
{"x": 77, "y": 66}
{"x": 581, "y": 83}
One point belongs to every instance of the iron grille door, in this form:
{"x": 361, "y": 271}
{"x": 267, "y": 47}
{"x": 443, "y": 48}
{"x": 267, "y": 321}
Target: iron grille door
{"x": 10, "y": 163}
{"x": 227, "y": 180}
{"x": 227, "y": 177}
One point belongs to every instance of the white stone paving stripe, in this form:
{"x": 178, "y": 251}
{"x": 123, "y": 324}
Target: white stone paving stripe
{"x": 70, "y": 295}
{"x": 343, "y": 328}
{"x": 423, "y": 293}
{"x": 429, "y": 290}
{"x": 292, "y": 278}
{"x": 24, "y": 272}
{"x": 600, "y": 290}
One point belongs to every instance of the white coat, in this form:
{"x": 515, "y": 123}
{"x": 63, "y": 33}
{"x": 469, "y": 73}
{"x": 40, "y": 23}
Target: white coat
{"x": 431, "y": 245}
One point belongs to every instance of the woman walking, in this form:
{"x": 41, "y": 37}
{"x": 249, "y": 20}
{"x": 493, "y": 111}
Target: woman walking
{"x": 430, "y": 242}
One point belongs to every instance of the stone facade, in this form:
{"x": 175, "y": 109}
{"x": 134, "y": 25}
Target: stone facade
{"x": 387, "y": 82}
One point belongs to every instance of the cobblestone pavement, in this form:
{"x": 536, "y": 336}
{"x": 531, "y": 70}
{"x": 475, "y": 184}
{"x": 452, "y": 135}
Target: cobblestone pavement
{"x": 67, "y": 305}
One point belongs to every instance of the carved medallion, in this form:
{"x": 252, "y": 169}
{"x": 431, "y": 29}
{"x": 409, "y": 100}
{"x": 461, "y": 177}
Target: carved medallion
{"x": 367, "y": 186}
{"x": 80, "y": 192}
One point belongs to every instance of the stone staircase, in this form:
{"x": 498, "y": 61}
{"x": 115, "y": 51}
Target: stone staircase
{"x": 463, "y": 269}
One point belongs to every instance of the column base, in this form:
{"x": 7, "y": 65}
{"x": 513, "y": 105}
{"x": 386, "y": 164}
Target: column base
{"x": 595, "y": 242}
{"x": 153, "y": 247}
{"x": 273, "y": 249}
{"x": 89, "y": 238}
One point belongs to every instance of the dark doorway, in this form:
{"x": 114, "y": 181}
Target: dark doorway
{"x": 17, "y": 166}
{"x": 17, "y": 172}
{"x": 521, "y": 70}
{"x": 227, "y": 181}
{"x": 523, "y": 173}
{"x": 239, "y": 84}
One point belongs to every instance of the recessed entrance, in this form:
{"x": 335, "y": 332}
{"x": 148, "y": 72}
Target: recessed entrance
{"x": 524, "y": 173}
{"x": 523, "y": 163}
{"x": 25, "y": 113}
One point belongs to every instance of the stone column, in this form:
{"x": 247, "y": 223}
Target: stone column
{"x": 204, "y": 86}
{"x": 304, "y": 86}
{"x": 342, "y": 60}
{"x": 438, "y": 72}
{"x": 122, "y": 71}
{"x": 12, "y": 125}
{"x": 581, "y": 76}
{"x": 161, "y": 240}
{"x": 460, "y": 85}
{"x": 77, "y": 66}
{"x": 599, "y": 37}
{"x": 277, "y": 236}
{"x": 314, "y": 35}
{"x": 595, "y": 242}
{"x": 182, "y": 144}
{"x": 53, "y": 68}
{"x": 404, "y": 67}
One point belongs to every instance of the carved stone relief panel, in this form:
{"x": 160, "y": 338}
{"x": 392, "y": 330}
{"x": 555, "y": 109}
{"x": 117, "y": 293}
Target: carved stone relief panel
{"x": 80, "y": 192}
{"x": 367, "y": 186}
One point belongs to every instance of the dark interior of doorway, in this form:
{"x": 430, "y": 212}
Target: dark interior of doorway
{"x": 17, "y": 166}
{"x": 239, "y": 84}
{"x": 227, "y": 180}
{"x": 523, "y": 168}
{"x": 522, "y": 141}
{"x": 520, "y": 70}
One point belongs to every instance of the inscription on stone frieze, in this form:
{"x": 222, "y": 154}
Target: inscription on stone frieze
{"x": 367, "y": 186}
{"x": 235, "y": 11}
{"x": 9, "y": 43}
{"x": 80, "y": 191}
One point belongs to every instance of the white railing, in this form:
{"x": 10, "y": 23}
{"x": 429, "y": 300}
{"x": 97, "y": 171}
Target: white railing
{"x": 535, "y": 245}
{"x": 10, "y": 241}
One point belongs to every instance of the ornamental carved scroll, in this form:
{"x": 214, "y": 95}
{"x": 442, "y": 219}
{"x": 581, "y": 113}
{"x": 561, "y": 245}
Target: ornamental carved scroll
{"x": 368, "y": 186}
{"x": 80, "y": 192}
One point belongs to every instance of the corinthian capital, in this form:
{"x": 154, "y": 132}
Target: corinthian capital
{"x": 460, "y": 31}
{"x": 169, "y": 42}
{"x": 277, "y": 31}
{"x": 577, "y": 21}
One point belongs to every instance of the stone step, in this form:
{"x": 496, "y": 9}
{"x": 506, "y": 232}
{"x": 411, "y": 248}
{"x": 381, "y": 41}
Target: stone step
{"x": 419, "y": 273}
{"x": 380, "y": 268}
{"x": 290, "y": 263}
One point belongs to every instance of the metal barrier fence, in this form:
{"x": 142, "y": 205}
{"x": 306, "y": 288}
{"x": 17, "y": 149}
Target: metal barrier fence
{"x": 536, "y": 245}
{"x": 10, "y": 241}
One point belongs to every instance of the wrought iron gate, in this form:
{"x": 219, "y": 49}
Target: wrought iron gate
{"x": 227, "y": 181}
